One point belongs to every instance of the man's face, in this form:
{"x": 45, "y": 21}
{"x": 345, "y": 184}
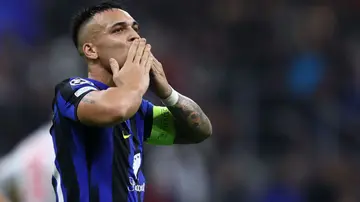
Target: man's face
{"x": 117, "y": 30}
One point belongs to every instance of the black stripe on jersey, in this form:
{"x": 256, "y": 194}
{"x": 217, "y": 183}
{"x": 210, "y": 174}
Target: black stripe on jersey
{"x": 148, "y": 122}
{"x": 91, "y": 142}
{"x": 67, "y": 168}
{"x": 94, "y": 194}
{"x": 57, "y": 88}
{"x": 67, "y": 92}
{"x": 120, "y": 165}
{"x": 60, "y": 85}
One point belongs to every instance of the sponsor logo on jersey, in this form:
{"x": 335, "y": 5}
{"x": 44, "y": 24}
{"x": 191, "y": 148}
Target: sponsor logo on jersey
{"x": 135, "y": 187}
{"x": 136, "y": 163}
{"x": 125, "y": 136}
{"x": 79, "y": 81}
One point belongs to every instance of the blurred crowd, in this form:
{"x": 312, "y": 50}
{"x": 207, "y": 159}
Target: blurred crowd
{"x": 280, "y": 81}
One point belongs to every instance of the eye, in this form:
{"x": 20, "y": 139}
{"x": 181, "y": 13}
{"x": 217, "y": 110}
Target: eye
{"x": 136, "y": 28}
{"x": 118, "y": 30}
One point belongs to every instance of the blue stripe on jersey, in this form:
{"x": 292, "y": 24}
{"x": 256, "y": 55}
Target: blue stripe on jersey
{"x": 80, "y": 164}
{"x": 101, "y": 169}
{"x": 131, "y": 194}
{"x": 141, "y": 177}
{"x": 68, "y": 109}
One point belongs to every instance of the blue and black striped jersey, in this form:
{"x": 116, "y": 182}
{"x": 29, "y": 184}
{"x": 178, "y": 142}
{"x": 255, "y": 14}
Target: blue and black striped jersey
{"x": 97, "y": 164}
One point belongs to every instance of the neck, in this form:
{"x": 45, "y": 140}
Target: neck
{"x": 99, "y": 73}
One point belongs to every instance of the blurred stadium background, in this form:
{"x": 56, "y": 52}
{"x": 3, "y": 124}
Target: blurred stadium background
{"x": 279, "y": 79}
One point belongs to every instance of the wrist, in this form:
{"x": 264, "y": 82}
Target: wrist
{"x": 172, "y": 99}
{"x": 164, "y": 91}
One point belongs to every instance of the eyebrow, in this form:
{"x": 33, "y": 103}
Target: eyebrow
{"x": 124, "y": 24}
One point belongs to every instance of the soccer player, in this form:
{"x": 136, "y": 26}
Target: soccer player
{"x": 26, "y": 171}
{"x": 101, "y": 123}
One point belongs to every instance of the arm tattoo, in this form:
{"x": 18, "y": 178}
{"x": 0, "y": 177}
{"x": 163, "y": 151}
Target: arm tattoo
{"x": 87, "y": 100}
{"x": 191, "y": 122}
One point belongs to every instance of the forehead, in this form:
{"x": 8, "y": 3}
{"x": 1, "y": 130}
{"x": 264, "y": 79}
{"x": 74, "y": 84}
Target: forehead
{"x": 110, "y": 17}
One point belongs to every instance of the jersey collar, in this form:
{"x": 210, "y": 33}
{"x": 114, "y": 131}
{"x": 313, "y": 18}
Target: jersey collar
{"x": 99, "y": 84}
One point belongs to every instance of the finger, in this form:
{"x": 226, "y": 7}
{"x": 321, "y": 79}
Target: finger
{"x": 132, "y": 50}
{"x": 149, "y": 63}
{"x": 156, "y": 65}
{"x": 156, "y": 62}
{"x": 114, "y": 65}
{"x": 140, "y": 51}
{"x": 146, "y": 55}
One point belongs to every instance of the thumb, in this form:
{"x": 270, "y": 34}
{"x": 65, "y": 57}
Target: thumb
{"x": 114, "y": 65}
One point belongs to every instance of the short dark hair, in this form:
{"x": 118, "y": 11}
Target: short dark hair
{"x": 85, "y": 14}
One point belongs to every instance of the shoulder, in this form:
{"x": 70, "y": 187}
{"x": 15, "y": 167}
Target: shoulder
{"x": 74, "y": 86}
{"x": 74, "y": 83}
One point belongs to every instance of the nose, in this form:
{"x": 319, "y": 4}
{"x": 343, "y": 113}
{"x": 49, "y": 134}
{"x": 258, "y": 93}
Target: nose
{"x": 134, "y": 35}
{"x": 132, "y": 38}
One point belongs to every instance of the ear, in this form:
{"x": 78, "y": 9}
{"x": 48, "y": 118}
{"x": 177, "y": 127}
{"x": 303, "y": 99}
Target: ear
{"x": 90, "y": 51}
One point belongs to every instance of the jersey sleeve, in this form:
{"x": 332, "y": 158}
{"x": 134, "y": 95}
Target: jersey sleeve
{"x": 159, "y": 125}
{"x": 69, "y": 94}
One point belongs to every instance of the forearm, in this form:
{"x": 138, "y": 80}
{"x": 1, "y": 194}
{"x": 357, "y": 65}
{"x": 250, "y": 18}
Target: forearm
{"x": 108, "y": 107}
{"x": 191, "y": 123}
{"x": 125, "y": 100}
